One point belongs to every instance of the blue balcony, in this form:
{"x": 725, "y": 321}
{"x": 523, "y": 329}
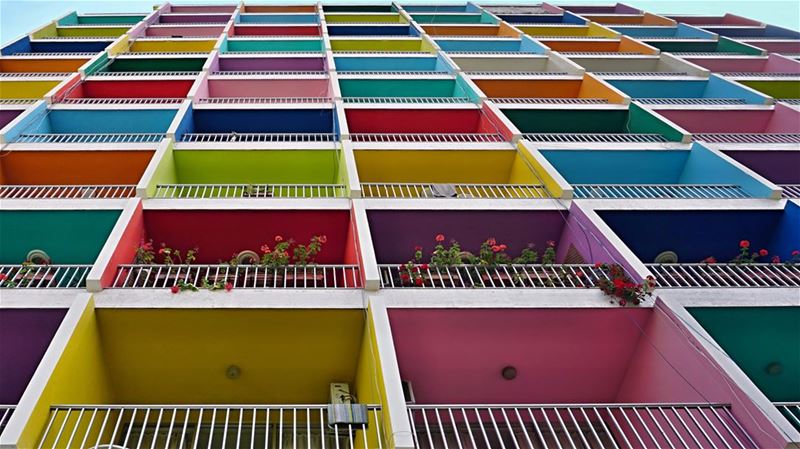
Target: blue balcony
{"x": 498, "y": 45}
{"x": 712, "y": 91}
{"x": 672, "y": 174}
{"x": 767, "y": 31}
{"x": 681, "y": 31}
{"x": 24, "y": 46}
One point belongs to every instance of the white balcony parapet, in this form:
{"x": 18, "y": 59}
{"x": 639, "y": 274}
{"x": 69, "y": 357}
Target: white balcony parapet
{"x": 791, "y": 410}
{"x": 240, "y": 276}
{"x": 88, "y": 38}
{"x": 548, "y": 100}
{"x": 427, "y": 137}
{"x": 791, "y": 101}
{"x": 168, "y": 53}
{"x": 418, "y": 190}
{"x": 641, "y": 73}
{"x": 790, "y": 190}
{"x": 691, "y": 275}
{"x": 407, "y": 100}
{"x": 513, "y": 73}
{"x": 748, "y": 137}
{"x": 34, "y": 74}
{"x": 213, "y": 426}
{"x": 392, "y": 72}
{"x": 44, "y": 276}
{"x": 177, "y": 191}
{"x": 5, "y": 415}
{"x": 263, "y": 100}
{"x": 237, "y": 73}
{"x": 479, "y": 52}
{"x": 258, "y": 137}
{"x": 29, "y": 192}
{"x": 55, "y": 53}
{"x": 577, "y": 426}
{"x": 660, "y": 191}
{"x": 691, "y": 101}
{"x": 17, "y": 101}
{"x": 144, "y": 74}
{"x": 500, "y": 276}
{"x": 594, "y": 137}
{"x": 126, "y": 101}
{"x": 602, "y": 53}
{"x": 91, "y": 138}
{"x": 707, "y": 53}
{"x": 761, "y": 74}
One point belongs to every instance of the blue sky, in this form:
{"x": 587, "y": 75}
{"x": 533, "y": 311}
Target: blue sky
{"x": 18, "y": 17}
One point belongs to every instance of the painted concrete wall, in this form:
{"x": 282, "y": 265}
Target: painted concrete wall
{"x": 271, "y": 64}
{"x": 779, "y": 167}
{"x": 73, "y": 167}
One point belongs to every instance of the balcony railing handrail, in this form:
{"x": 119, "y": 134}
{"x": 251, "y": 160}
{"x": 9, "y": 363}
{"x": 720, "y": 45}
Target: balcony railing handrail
{"x": 723, "y": 275}
{"x": 262, "y": 100}
{"x": 175, "y": 100}
{"x": 5, "y": 414}
{"x": 91, "y": 138}
{"x": 690, "y": 101}
{"x": 595, "y": 137}
{"x": 34, "y": 74}
{"x": 683, "y": 191}
{"x": 44, "y": 276}
{"x": 258, "y": 137}
{"x": 514, "y": 73}
{"x": 748, "y": 137}
{"x": 392, "y": 72}
{"x": 346, "y": 276}
{"x": 16, "y": 101}
{"x": 762, "y": 74}
{"x": 790, "y": 410}
{"x": 245, "y": 425}
{"x": 146, "y": 73}
{"x": 792, "y": 101}
{"x": 547, "y": 100}
{"x": 407, "y": 100}
{"x": 427, "y": 137}
{"x": 71, "y": 191}
{"x": 54, "y": 53}
{"x": 500, "y": 276}
{"x": 618, "y": 426}
{"x": 178, "y": 191}
{"x": 790, "y": 190}
{"x": 236, "y": 73}
{"x": 641, "y": 73}
{"x": 460, "y": 190}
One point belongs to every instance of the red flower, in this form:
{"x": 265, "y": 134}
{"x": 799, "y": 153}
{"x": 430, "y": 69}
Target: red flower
{"x": 175, "y": 289}
{"x": 762, "y": 252}
{"x": 503, "y": 247}
{"x": 161, "y": 251}
{"x": 404, "y": 276}
{"x": 710, "y": 259}
{"x": 491, "y": 241}
{"x": 3, "y": 277}
{"x": 278, "y": 238}
{"x": 744, "y": 244}
{"x": 796, "y": 253}
{"x": 776, "y": 259}
{"x": 619, "y": 283}
{"x": 440, "y": 238}
{"x": 579, "y": 274}
{"x": 622, "y": 302}
{"x": 598, "y": 264}
{"x": 418, "y": 281}
{"x": 551, "y": 243}
{"x": 265, "y": 248}
{"x": 496, "y": 248}
{"x": 425, "y": 266}
{"x": 417, "y": 248}
{"x": 323, "y": 238}
{"x": 228, "y": 286}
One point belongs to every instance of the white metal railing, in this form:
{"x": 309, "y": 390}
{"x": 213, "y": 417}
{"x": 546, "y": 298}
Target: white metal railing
{"x": 594, "y": 137}
{"x": 122, "y": 100}
{"x": 44, "y": 276}
{"x": 601, "y": 53}
{"x": 761, "y": 74}
{"x": 241, "y": 276}
{"x": 169, "y": 53}
{"x": 34, "y": 74}
{"x": 427, "y": 137}
{"x": 500, "y": 276}
{"x": 263, "y": 100}
{"x": 550, "y": 100}
{"x": 250, "y": 191}
{"x": 517, "y": 10}
{"x": 143, "y": 74}
{"x": 5, "y": 415}
{"x": 707, "y": 53}
{"x": 791, "y": 410}
{"x": 790, "y": 190}
{"x": 690, "y": 101}
{"x": 478, "y": 52}
{"x": 392, "y": 72}
{"x": 407, "y": 100}
{"x": 236, "y": 73}
{"x": 748, "y": 137}
{"x": 258, "y": 137}
{"x": 641, "y": 73}
{"x": 661, "y": 191}
{"x": 430, "y": 190}
{"x": 792, "y": 101}
{"x": 213, "y": 426}
{"x": 17, "y": 101}
{"x": 514, "y": 73}
{"x": 71, "y": 38}
{"x": 66, "y": 191}
{"x": 91, "y": 138}
{"x": 725, "y": 275}
{"x": 577, "y": 426}
{"x": 55, "y": 53}
{"x": 275, "y": 52}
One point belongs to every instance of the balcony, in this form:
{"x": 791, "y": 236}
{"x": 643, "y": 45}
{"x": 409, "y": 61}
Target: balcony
{"x": 11, "y": 109}
{"x": 170, "y": 46}
{"x": 692, "y": 92}
{"x": 358, "y": 9}
{"x": 200, "y": 9}
{"x": 453, "y": 18}
{"x": 276, "y": 30}
{"x": 386, "y": 66}
{"x": 599, "y": 47}
{"x": 772, "y": 66}
{"x": 774, "y": 368}
{"x": 24, "y": 67}
{"x": 534, "y": 14}
{"x": 615, "y": 9}
{"x": 74, "y": 19}
{"x": 92, "y": 126}
{"x": 262, "y": 89}
{"x": 637, "y": 396}
{"x": 568, "y": 265}
{"x": 279, "y": 9}
{"x": 730, "y": 20}
{"x": 37, "y": 48}
{"x": 226, "y": 173}
{"x": 70, "y": 240}
{"x": 372, "y": 30}
{"x": 760, "y": 31}
{"x": 632, "y": 125}
{"x": 776, "y": 166}
{"x": 187, "y": 31}
{"x": 128, "y": 65}
{"x": 410, "y": 89}
{"x": 220, "y": 236}
{"x": 645, "y": 19}
{"x": 480, "y": 30}
{"x": 193, "y": 363}
{"x": 211, "y": 125}
{"x": 657, "y": 33}
{"x": 650, "y": 66}
{"x": 583, "y": 30}
{"x": 280, "y": 18}
{"x": 102, "y": 32}
{"x": 455, "y": 46}
{"x": 429, "y": 125}
{"x": 26, "y": 335}
{"x": 42, "y": 174}
{"x": 349, "y": 17}
{"x": 237, "y": 65}
{"x": 708, "y": 257}
{"x": 526, "y": 64}
{"x": 376, "y": 45}
{"x": 184, "y": 18}
{"x": 677, "y": 174}
{"x": 472, "y": 174}
{"x": 587, "y": 90}
{"x": 704, "y": 46}
{"x": 28, "y": 87}
{"x": 284, "y": 45}
{"x": 768, "y": 125}
{"x": 115, "y": 91}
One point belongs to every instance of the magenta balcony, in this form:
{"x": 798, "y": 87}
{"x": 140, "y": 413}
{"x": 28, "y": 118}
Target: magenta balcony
{"x": 774, "y": 125}
{"x": 184, "y": 18}
{"x": 614, "y": 378}
{"x": 176, "y": 31}
{"x": 778, "y": 167}
{"x": 276, "y": 30}
{"x": 749, "y": 66}
{"x": 219, "y": 89}
{"x": 124, "y": 91}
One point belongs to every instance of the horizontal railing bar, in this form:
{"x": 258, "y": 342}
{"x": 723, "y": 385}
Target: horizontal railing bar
{"x": 70, "y": 191}
{"x": 427, "y": 137}
{"x": 178, "y": 191}
{"x": 690, "y": 101}
{"x": 145, "y": 73}
{"x": 748, "y": 137}
{"x": 704, "y": 191}
{"x": 258, "y": 137}
{"x": 44, "y": 276}
{"x": 122, "y": 100}
{"x": 549, "y": 100}
{"x": 407, "y": 100}
{"x": 692, "y": 275}
{"x": 268, "y": 100}
{"x": 594, "y": 137}
{"x": 91, "y": 138}
{"x": 499, "y": 276}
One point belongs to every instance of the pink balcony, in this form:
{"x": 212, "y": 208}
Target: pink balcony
{"x": 780, "y": 124}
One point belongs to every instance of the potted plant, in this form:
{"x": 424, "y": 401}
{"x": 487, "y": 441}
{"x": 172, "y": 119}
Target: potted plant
{"x": 444, "y": 263}
{"x": 304, "y": 256}
{"x": 414, "y": 272}
{"x": 621, "y": 288}
{"x": 275, "y": 260}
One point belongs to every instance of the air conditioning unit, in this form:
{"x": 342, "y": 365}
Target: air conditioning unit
{"x": 342, "y": 410}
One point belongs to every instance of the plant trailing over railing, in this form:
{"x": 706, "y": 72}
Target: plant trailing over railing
{"x": 146, "y": 254}
{"x": 621, "y": 287}
{"x": 288, "y": 252}
{"x": 746, "y": 256}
